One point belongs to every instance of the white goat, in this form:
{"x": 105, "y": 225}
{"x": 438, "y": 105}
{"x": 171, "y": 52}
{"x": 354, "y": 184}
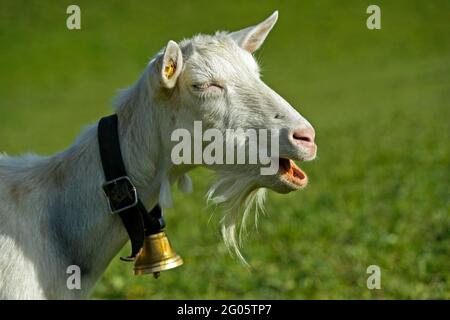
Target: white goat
{"x": 53, "y": 213}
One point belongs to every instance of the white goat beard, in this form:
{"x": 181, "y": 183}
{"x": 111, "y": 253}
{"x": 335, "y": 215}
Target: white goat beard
{"x": 238, "y": 197}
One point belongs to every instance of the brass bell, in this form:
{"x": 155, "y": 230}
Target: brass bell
{"x": 156, "y": 255}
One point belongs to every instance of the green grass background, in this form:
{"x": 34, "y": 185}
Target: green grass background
{"x": 379, "y": 101}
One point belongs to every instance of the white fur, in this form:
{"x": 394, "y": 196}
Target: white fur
{"x": 53, "y": 213}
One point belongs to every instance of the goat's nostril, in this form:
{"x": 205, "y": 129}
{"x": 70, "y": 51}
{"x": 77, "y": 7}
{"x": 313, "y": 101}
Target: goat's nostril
{"x": 303, "y": 135}
{"x": 303, "y": 138}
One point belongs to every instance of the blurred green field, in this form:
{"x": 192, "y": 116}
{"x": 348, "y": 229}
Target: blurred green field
{"x": 379, "y": 100}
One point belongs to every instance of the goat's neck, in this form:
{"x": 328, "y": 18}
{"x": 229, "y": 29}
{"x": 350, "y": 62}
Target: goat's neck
{"x": 147, "y": 164}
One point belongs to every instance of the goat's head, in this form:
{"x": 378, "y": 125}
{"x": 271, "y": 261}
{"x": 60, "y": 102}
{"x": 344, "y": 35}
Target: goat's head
{"x": 216, "y": 80}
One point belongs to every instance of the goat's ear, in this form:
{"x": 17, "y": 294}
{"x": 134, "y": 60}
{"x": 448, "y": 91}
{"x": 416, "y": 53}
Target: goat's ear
{"x": 172, "y": 63}
{"x": 252, "y": 38}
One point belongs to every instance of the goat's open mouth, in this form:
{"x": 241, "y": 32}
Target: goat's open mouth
{"x": 292, "y": 174}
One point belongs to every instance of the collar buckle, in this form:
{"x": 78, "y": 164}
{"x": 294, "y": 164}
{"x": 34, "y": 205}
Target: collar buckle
{"x": 121, "y": 194}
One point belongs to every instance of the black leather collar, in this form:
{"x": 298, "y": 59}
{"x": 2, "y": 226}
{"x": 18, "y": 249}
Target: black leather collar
{"x": 120, "y": 192}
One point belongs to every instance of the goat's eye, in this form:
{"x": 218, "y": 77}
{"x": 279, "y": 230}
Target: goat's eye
{"x": 206, "y": 85}
{"x": 201, "y": 86}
